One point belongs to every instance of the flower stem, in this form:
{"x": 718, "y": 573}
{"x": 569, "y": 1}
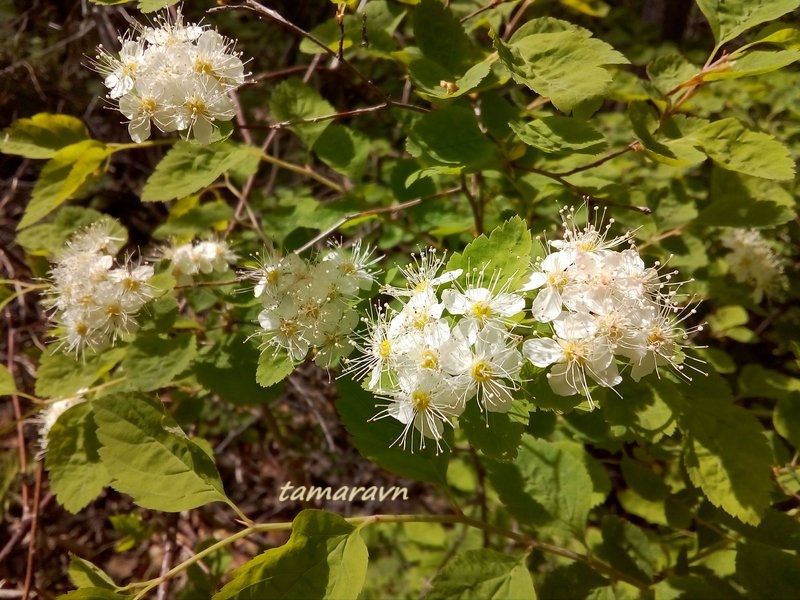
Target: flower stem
{"x": 308, "y": 172}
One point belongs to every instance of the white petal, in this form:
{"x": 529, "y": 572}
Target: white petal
{"x": 543, "y": 351}
{"x": 546, "y": 305}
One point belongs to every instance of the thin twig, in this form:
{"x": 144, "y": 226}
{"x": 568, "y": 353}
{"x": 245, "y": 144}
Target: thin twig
{"x": 37, "y": 496}
{"x": 482, "y": 9}
{"x": 373, "y": 211}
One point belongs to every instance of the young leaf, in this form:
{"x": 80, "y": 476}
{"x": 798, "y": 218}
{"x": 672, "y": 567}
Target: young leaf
{"x": 73, "y": 464}
{"x": 325, "y": 557}
{"x": 7, "y": 385}
{"x": 375, "y": 439}
{"x": 545, "y": 485}
{"x": 151, "y": 459}
{"x": 153, "y": 361}
{"x": 42, "y": 135}
{"x": 729, "y": 18}
{"x": 64, "y": 176}
{"x": 505, "y": 253}
{"x": 756, "y": 62}
{"x": 84, "y": 574}
{"x": 485, "y": 574}
{"x": 187, "y": 168}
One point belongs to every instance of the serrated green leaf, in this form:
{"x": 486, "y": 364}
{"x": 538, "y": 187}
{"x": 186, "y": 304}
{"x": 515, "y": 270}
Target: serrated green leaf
{"x": 42, "y": 135}
{"x": 292, "y": 100}
{"x": 93, "y": 593}
{"x": 375, "y": 439}
{"x": 729, "y": 18}
{"x": 147, "y": 6}
{"x": 84, "y": 574}
{"x": 73, "y": 464}
{"x": 560, "y": 134}
{"x": 639, "y": 411}
{"x": 188, "y": 167}
{"x": 505, "y": 253}
{"x": 196, "y": 221}
{"x": 7, "y": 385}
{"x": 675, "y": 152}
{"x": 151, "y": 459}
{"x": 450, "y": 136}
{"x": 725, "y": 452}
{"x": 485, "y": 574}
{"x": 325, "y": 557}
{"x": 153, "y": 361}
{"x": 229, "y": 369}
{"x": 273, "y": 366}
{"x": 63, "y": 177}
{"x": 580, "y": 579}
{"x": 767, "y": 573}
{"x": 787, "y": 418}
{"x": 756, "y": 381}
{"x": 565, "y": 66}
{"x": 685, "y": 587}
{"x": 61, "y": 375}
{"x": 430, "y": 77}
{"x": 731, "y": 146}
{"x": 667, "y": 71}
{"x": 544, "y": 485}
{"x": 593, "y": 8}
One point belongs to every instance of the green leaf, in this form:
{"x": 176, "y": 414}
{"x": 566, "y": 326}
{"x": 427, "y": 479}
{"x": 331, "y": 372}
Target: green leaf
{"x": 147, "y": 6}
{"x": 292, "y": 100}
{"x": 151, "y": 459}
{"x": 767, "y": 573}
{"x": 154, "y": 361}
{"x": 725, "y": 451}
{"x": 505, "y": 253}
{"x": 7, "y": 385}
{"x": 325, "y": 557}
{"x": 496, "y": 435}
{"x": 742, "y": 201}
{"x": 787, "y": 418}
{"x": 667, "y": 71}
{"x": 677, "y": 152}
{"x": 61, "y": 375}
{"x": 93, "y": 593}
{"x": 343, "y": 149}
{"x": 84, "y": 574}
{"x": 63, "y": 177}
{"x": 273, "y": 366}
{"x": 374, "y": 438}
{"x": 566, "y": 66}
{"x": 639, "y": 410}
{"x": 73, "y": 464}
{"x": 545, "y": 485}
{"x": 187, "y": 168}
{"x": 42, "y": 135}
{"x": 729, "y": 18}
{"x": 683, "y": 587}
{"x": 731, "y": 146}
{"x": 229, "y": 369}
{"x": 47, "y": 239}
{"x": 429, "y": 76}
{"x": 483, "y": 574}
{"x": 560, "y": 134}
{"x": 441, "y": 37}
{"x": 593, "y": 8}
{"x": 630, "y": 549}
{"x": 580, "y": 579}
{"x": 450, "y": 136}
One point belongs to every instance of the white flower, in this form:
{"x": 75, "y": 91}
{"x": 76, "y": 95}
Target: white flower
{"x": 752, "y": 261}
{"x": 422, "y": 275}
{"x": 211, "y": 57}
{"x": 147, "y": 101}
{"x": 121, "y": 72}
{"x": 422, "y": 401}
{"x": 482, "y": 307}
{"x": 201, "y": 102}
{"x": 553, "y": 277}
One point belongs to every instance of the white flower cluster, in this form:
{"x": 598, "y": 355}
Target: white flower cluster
{"x": 51, "y": 413}
{"x": 752, "y": 261}
{"x": 309, "y": 305}
{"x": 187, "y": 260}
{"x": 606, "y": 309}
{"x": 427, "y": 365}
{"x": 175, "y": 75}
{"x": 93, "y": 299}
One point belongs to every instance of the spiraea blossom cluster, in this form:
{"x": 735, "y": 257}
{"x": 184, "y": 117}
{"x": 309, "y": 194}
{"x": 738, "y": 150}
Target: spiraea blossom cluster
{"x": 754, "y": 262}
{"x": 93, "y": 299}
{"x": 309, "y": 304}
{"x": 204, "y": 257}
{"x": 608, "y": 312}
{"x": 441, "y": 348}
{"x": 175, "y": 75}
